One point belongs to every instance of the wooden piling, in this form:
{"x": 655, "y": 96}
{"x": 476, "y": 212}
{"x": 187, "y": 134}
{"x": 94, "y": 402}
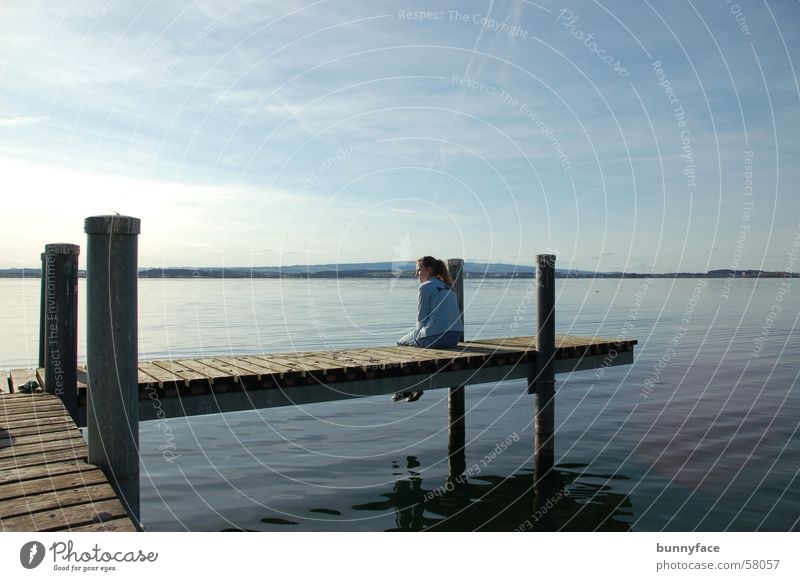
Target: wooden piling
{"x": 42, "y": 313}
{"x": 543, "y": 382}
{"x": 112, "y": 353}
{"x": 60, "y": 308}
{"x": 455, "y": 402}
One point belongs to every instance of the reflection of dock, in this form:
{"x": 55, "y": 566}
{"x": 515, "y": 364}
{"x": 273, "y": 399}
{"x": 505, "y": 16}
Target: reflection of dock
{"x": 577, "y": 501}
{"x": 116, "y": 390}
{"x": 45, "y": 482}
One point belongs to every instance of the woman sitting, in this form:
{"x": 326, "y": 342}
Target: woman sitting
{"x": 439, "y": 323}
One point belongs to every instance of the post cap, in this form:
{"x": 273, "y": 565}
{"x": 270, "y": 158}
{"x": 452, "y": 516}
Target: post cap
{"x": 61, "y": 248}
{"x": 455, "y": 261}
{"x": 546, "y": 260}
{"x": 113, "y": 224}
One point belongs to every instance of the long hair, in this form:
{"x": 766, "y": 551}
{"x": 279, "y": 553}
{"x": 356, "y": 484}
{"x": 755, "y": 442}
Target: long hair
{"x": 438, "y": 268}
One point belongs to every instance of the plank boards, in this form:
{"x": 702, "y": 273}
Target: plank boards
{"x": 226, "y": 374}
{"x": 270, "y": 370}
{"x": 45, "y": 482}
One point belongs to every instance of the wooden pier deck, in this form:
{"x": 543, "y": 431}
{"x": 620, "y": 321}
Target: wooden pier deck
{"x": 218, "y": 384}
{"x": 45, "y": 482}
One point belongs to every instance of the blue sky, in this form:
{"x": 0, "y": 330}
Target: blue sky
{"x": 265, "y": 133}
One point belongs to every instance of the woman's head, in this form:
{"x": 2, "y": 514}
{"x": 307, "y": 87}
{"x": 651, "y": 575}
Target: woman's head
{"x": 428, "y": 267}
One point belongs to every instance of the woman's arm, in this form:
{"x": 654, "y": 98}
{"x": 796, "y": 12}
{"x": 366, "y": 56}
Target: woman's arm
{"x": 423, "y": 307}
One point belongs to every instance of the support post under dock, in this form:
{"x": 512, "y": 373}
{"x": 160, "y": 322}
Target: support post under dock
{"x": 455, "y": 401}
{"x": 543, "y": 382}
{"x": 112, "y": 353}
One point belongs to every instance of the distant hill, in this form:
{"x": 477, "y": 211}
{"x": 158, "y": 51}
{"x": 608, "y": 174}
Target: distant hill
{"x": 399, "y": 270}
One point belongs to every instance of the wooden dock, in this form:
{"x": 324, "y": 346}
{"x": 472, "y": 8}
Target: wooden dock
{"x": 119, "y": 390}
{"x": 219, "y": 384}
{"x": 46, "y": 483}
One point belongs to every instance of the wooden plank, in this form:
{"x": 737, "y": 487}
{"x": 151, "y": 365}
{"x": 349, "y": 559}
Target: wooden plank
{"x": 187, "y": 374}
{"x": 260, "y": 367}
{"x": 160, "y": 374}
{"x": 293, "y": 365}
{"x": 276, "y": 362}
{"x": 434, "y": 355}
{"x": 19, "y": 377}
{"x": 46, "y": 457}
{"x": 31, "y": 487}
{"x": 51, "y": 417}
{"x": 210, "y": 371}
{"x": 390, "y": 355}
{"x": 501, "y": 344}
{"x": 232, "y": 370}
{"x": 46, "y": 425}
{"x": 354, "y": 358}
{"x": 115, "y": 525}
{"x": 32, "y": 409}
{"x": 144, "y": 378}
{"x": 4, "y": 386}
{"x": 55, "y": 500}
{"x": 74, "y": 443}
{"x": 65, "y": 518}
{"x": 15, "y": 440}
{"x": 320, "y": 362}
{"x": 20, "y": 400}
{"x": 236, "y": 367}
{"x": 38, "y": 471}
{"x": 22, "y": 427}
{"x": 273, "y": 366}
{"x": 32, "y": 413}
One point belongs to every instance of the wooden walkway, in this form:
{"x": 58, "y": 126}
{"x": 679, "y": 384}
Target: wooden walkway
{"x": 218, "y": 384}
{"x": 45, "y": 482}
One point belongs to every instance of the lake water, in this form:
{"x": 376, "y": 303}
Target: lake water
{"x": 701, "y": 433}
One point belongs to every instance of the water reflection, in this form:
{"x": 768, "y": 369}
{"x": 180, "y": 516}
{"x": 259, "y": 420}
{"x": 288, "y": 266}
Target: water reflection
{"x": 571, "y": 500}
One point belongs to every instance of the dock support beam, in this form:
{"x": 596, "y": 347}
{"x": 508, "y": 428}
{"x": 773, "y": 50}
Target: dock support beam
{"x": 455, "y": 402}
{"x": 112, "y": 353}
{"x": 543, "y": 382}
{"x": 60, "y": 329}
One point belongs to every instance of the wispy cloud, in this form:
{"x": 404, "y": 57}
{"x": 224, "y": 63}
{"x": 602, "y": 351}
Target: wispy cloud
{"x": 17, "y": 121}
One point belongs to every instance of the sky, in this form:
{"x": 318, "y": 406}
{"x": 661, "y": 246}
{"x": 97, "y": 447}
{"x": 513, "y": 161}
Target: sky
{"x": 642, "y": 136}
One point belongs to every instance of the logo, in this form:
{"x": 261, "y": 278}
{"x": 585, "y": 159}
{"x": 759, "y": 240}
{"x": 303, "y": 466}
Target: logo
{"x": 31, "y": 554}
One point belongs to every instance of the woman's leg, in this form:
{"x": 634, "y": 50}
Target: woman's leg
{"x": 445, "y": 340}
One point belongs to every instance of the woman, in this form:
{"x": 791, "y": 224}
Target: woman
{"x": 439, "y": 322}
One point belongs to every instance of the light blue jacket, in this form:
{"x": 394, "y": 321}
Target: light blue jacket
{"x": 438, "y": 309}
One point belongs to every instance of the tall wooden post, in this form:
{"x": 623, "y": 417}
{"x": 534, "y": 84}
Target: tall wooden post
{"x": 112, "y": 353}
{"x": 61, "y": 324}
{"x": 542, "y": 384}
{"x": 42, "y": 311}
{"x": 455, "y": 402}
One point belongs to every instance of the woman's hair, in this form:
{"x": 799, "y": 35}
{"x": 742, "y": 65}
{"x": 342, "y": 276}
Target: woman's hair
{"x": 438, "y": 268}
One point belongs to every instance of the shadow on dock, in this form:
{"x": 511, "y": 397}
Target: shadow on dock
{"x": 574, "y": 500}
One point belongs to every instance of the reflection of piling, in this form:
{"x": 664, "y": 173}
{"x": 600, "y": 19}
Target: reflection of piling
{"x": 112, "y": 353}
{"x": 543, "y": 382}
{"x": 455, "y": 401}
{"x": 60, "y": 332}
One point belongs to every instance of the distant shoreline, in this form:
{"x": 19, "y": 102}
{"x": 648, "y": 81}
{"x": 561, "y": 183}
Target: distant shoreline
{"x": 297, "y": 272}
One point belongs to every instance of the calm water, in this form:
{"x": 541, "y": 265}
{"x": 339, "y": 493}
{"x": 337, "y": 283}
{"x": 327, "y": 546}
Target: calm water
{"x": 701, "y": 433}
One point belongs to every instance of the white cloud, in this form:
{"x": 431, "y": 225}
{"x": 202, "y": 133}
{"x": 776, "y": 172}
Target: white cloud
{"x": 17, "y": 121}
